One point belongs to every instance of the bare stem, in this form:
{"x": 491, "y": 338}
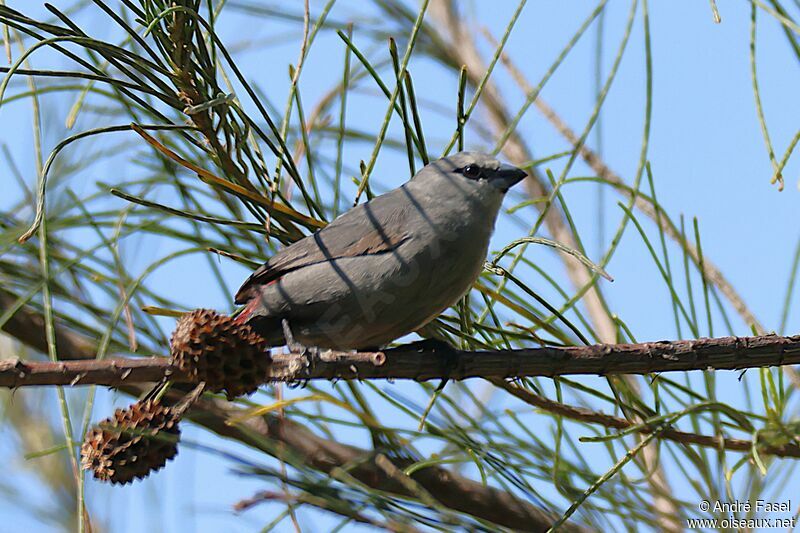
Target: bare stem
{"x": 723, "y": 353}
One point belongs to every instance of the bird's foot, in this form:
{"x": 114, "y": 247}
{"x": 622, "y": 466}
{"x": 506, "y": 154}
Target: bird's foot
{"x": 439, "y": 348}
{"x": 309, "y": 355}
{"x": 295, "y": 346}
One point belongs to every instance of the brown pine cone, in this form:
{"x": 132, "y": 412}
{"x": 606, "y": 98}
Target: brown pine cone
{"x": 215, "y": 349}
{"x": 132, "y": 443}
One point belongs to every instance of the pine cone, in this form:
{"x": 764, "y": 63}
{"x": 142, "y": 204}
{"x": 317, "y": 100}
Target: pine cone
{"x": 226, "y": 355}
{"x": 132, "y": 443}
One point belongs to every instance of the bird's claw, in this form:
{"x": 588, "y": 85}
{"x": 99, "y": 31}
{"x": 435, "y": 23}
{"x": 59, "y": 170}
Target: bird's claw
{"x": 296, "y": 347}
{"x": 441, "y": 348}
{"x": 436, "y": 346}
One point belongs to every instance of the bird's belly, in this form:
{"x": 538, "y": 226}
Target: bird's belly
{"x": 371, "y": 300}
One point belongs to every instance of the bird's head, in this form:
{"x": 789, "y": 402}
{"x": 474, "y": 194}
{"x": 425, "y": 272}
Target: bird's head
{"x": 479, "y": 170}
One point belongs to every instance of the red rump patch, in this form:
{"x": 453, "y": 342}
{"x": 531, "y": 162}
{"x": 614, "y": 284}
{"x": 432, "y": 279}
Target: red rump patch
{"x": 252, "y": 304}
{"x": 247, "y": 312}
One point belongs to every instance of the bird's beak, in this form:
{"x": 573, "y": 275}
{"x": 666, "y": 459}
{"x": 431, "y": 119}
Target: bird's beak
{"x": 507, "y": 176}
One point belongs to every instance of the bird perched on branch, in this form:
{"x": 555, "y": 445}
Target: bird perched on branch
{"x": 386, "y": 267}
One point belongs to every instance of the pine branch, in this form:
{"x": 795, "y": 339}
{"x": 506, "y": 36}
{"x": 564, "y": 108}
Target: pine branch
{"x": 589, "y": 416}
{"x": 408, "y": 362}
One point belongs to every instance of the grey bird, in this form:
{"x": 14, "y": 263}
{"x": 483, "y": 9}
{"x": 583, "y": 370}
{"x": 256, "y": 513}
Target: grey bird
{"x": 386, "y": 267}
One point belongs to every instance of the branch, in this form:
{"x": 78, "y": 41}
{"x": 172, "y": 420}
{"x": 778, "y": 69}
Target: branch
{"x": 293, "y": 442}
{"x": 341, "y": 508}
{"x": 407, "y": 362}
{"x": 582, "y": 414}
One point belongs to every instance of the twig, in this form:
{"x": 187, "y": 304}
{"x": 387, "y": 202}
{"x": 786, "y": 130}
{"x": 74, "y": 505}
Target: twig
{"x": 582, "y": 414}
{"x": 723, "y": 353}
{"x": 342, "y": 508}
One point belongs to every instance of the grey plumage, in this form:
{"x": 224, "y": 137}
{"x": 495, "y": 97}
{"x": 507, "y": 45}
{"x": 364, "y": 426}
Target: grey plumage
{"x": 387, "y": 267}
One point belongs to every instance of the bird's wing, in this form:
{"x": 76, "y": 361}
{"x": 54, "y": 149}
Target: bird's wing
{"x": 372, "y": 228}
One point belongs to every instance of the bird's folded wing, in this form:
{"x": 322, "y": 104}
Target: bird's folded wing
{"x": 348, "y": 236}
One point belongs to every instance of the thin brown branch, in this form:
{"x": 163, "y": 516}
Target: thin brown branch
{"x": 27, "y": 326}
{"x": 409, "y": 362}
{"x": 581, "y": 414}
{"x": 325, "y": 504}
{"x": 294, "y": 442}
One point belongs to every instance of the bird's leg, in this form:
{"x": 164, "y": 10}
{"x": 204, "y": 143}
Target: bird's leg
{"x": 288, "y": 337}
{"x": 295, "y": 346}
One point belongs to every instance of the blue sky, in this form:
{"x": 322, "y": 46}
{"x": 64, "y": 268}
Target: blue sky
{"x": 706, "y": 152}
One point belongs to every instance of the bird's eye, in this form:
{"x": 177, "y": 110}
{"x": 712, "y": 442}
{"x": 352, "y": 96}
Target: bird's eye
{"x": 472, "y": 171}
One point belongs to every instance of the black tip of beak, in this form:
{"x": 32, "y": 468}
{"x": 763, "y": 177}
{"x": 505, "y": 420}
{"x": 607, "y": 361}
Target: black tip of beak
{"x": 508, "y": 175}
